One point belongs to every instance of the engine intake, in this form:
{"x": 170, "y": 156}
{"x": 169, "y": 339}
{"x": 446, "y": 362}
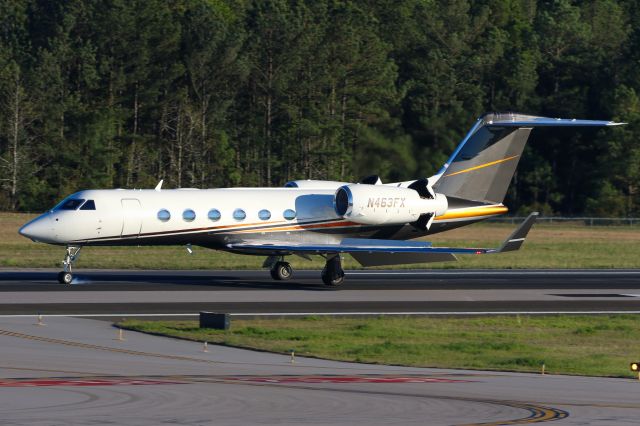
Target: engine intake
{"x": 343, "y": 201}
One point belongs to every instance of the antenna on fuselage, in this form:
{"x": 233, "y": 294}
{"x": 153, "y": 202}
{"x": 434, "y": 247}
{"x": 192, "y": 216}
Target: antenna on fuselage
{"x": 159, "y": 185}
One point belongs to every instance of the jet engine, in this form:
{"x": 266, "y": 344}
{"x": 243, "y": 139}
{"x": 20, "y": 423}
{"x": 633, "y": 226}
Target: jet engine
{"x": 388, "y": 205}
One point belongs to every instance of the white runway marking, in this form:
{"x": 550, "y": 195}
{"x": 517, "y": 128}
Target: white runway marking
{"x": 494, "y": 272}
{"x": 101, "y": 315}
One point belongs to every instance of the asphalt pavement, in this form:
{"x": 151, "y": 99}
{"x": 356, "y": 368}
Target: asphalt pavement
{"x": 116, "y": 292}
{"x": 76, "y": 371}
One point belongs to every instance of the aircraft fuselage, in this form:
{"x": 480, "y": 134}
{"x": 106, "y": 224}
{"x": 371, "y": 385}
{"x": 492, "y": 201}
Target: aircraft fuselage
{"x": 214, "y": 218}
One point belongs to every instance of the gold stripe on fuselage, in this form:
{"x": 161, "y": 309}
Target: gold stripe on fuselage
{"x": 473, "y": 212}
{"x": 282, "y": 226}
{"x": 466, "y": 213}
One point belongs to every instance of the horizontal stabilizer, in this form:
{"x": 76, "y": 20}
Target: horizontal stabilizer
{"x": 521, "y": 120}
{"x": 516, "y": 239}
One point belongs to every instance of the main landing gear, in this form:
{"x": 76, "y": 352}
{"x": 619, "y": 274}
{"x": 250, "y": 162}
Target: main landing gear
{"x": 332, "y": 274}
{"x": 281, "y": 271}
{"x": 65, "y": 276}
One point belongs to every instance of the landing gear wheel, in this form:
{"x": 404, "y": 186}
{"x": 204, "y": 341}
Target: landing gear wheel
{"x": 281, "y": 271}
{"x": 332, "y": 274}
{"x": 65, "y": 277}
{"x": 332, "y": 282}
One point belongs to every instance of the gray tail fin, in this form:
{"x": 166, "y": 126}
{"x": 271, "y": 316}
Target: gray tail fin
{"x": 483, "y": 164}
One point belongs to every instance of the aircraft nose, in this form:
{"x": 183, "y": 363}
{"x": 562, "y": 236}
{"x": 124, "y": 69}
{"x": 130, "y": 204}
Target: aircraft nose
{"x": 39, "y": 229}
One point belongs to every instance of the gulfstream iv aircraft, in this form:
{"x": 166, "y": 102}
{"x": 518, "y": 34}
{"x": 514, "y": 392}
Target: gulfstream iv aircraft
{"x": 370, "y": 220}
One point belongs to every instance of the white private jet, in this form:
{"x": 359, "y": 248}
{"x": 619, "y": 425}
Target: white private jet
{"x": 369, "y": 220}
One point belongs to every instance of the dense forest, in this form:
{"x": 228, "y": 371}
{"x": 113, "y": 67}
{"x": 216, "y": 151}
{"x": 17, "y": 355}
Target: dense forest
{"x": 211, "y": 93}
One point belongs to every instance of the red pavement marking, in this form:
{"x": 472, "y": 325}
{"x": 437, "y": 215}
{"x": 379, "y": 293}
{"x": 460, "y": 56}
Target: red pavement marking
{"x": 254, "y": 379}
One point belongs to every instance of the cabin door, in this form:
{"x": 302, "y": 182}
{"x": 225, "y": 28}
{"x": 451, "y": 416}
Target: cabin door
{"x": 131, "y": 217}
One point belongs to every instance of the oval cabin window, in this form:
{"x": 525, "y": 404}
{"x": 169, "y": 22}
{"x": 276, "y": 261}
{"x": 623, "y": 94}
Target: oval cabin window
{"x": 289, "y": 214}
{"x": 164, "y": 215}
{"x": 264, "y": 214}
{"x": 189, "y": 215}
{"x": 214, "y": 215}
{"x": 239, "y": 214}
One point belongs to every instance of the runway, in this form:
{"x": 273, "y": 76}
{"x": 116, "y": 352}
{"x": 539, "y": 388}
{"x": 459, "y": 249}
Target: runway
{"x": 166, "y": 293}
{"x": 74, "y": 371}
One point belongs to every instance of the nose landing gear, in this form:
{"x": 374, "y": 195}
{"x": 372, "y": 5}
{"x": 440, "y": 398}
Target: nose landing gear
{"x": 66, "y": 276}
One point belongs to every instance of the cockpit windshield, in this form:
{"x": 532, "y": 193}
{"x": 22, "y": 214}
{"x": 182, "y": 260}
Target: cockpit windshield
{"x": 89, "y": 205}
{"x": 70, "y": 204}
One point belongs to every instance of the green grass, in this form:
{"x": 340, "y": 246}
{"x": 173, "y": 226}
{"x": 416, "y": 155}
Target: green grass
{"x": 582, "y": 345}
{"x": 548, "y": 246}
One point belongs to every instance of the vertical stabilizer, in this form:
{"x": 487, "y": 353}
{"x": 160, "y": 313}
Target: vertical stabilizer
{"x": 482, "y": 166}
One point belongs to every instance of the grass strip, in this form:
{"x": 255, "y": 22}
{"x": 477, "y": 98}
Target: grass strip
{"x": 596, "y": 345}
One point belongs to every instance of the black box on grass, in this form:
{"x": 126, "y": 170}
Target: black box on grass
{"x": 215, "y": 320}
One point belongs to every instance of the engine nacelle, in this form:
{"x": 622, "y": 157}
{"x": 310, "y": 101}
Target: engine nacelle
{"x": 380, "y": 204}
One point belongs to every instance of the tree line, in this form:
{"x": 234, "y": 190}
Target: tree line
{"x": 213, "y": 93}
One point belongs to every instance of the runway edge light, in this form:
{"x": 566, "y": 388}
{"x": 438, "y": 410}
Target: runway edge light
{"x": 635, "y": 367}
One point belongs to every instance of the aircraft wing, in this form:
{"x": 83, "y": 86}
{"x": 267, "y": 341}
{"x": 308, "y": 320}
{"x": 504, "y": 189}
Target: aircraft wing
{"x": 371, "y": 252}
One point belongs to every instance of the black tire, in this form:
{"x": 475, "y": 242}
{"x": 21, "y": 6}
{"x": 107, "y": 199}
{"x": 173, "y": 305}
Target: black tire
{"x": 65, "y": 277}
{"x": 332, "y": 274}
{"x": 332, "y": 281}
{"x": 281, "y": 271}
